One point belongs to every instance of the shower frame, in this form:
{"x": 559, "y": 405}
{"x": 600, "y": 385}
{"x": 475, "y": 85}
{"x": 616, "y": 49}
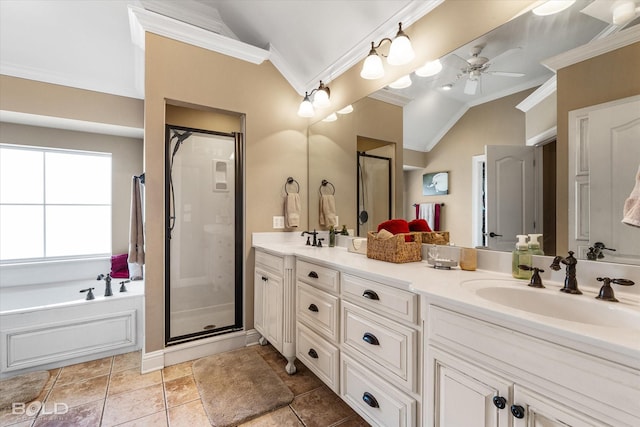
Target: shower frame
{"x": 238, "y": 138}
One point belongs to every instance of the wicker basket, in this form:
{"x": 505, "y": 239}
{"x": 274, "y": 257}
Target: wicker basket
{"x": 435, "y": 237}
{"x": 395, "y": 249}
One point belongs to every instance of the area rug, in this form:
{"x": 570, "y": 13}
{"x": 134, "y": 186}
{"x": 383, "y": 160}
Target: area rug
{"x": 237, "y": 386}
{"x": 23, "y": 388}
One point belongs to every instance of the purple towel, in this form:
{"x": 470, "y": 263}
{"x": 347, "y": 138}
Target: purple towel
{"x": 119, "y": 266}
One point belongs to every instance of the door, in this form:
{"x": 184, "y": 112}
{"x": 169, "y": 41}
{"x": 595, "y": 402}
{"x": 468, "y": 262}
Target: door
{"x": 273, "y": 311}
{"x": 510, "y": 194}
{"x": 260, "y": 283}
{"x": 614, "y": 159}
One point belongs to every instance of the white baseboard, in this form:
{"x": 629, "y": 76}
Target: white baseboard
{"x": 252, "y": 337}
{"x": 152, "y": 361}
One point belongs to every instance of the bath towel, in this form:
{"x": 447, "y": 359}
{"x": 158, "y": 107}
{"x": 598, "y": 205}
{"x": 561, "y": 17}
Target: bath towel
{"x": 136, "y": 231}
{"x": 631, "y": 211}
{"x": 428, "y": 212}
{"x": 396, "y": 226}
{"x": 419, "y": 225}
{"x": 328, "y": 210}
{"x": 292, "y": 210}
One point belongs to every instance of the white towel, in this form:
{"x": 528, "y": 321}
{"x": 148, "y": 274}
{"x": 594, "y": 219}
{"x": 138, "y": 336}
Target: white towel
{"x": 136, "y": 231}
{"x": 328, "y": 210}
{"x": 631, "y": 211}
{"x": 428, "y": 213}
{"x": 292, "y": 210}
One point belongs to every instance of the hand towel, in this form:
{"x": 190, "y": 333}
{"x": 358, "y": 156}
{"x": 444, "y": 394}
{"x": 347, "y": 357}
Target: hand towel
{"x": 328, "y": 210}
{"x": 396, "y": 226}
{"x": 119, "y": 266}
{"x": 136, "y": 231}
{"x": 427, "y": 212}
{"x": 292, "y": 210}
{"x": 631, "y": 210}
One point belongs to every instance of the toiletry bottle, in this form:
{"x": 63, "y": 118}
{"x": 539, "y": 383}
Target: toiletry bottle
{"x": 521, "y": 256}
{"x": 534, "y": 244}
{"x": 332, "y": 237}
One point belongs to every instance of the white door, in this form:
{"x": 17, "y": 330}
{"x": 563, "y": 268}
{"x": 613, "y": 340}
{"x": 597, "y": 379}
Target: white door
{"x": 614, "y": 159}
{"x": 510, "y": 194}
{"x": 273, "y": 310}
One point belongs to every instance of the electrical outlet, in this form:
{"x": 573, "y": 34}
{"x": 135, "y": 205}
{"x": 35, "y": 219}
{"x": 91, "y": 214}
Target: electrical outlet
{"x": 278, "y": 222}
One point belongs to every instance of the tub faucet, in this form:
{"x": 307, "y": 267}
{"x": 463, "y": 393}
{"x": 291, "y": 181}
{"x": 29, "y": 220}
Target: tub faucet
{"x": 570, "y": 280}
{"x": 107, "y": 282}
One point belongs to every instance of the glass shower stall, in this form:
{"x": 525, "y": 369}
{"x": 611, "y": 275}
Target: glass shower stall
{"x": 204, "y": 233}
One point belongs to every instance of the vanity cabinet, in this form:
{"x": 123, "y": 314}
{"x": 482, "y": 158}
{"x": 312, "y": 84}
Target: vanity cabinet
{"x": 274, "y": 296}
{"x": 486, "y": 374}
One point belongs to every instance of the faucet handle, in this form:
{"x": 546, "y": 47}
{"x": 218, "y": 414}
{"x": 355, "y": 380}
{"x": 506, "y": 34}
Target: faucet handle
{"x": 536, "y": 280}
{"x": 606, "y": 291}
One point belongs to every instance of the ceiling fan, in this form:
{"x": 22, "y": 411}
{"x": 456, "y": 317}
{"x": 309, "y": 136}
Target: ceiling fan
{"x": 477, "y": 65}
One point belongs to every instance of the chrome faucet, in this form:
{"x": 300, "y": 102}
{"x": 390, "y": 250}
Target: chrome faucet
{"x": 314, "y": 234}
{"x": 107, "y": 282}
{"x": 570, "y": 280}
{"x": 606, "y": 291}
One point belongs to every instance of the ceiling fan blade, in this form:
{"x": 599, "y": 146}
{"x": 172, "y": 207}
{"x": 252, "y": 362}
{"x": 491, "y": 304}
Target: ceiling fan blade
{"x": 470, "y": 87}
{"x": 505, "y": 73}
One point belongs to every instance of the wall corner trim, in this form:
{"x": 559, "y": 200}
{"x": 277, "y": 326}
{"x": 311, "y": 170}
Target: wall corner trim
{"x": 548, "y": 88}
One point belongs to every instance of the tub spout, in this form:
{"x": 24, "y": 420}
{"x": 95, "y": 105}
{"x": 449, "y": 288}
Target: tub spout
{"x": 107, "y": 282}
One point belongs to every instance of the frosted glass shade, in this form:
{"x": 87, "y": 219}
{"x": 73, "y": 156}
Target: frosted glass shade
{"x": 401, "y": 83}
{"x": 372, "y": 68}
{"x": 330, "y": 118}
{"x": 429, "y": 69}
{"x": 552, "y": 6}
{"x": 321, "y": 99}
{"x": 400, "y": 52}
{"x": 306, "y": 108}
{"x": 346, "y": 110}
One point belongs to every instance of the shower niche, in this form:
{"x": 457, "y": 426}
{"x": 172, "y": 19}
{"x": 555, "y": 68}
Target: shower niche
{"x": 204, "y": 233}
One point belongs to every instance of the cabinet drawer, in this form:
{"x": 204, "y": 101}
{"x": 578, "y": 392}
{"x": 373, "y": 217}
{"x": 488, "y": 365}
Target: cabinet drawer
{"x": 318, "y": 355}
{"x": 270, "y": 263}
{"x": 321, "y": 277}
{"x": 319, "y": 310}
{"x": 381, "y": 298}
{"x": 391, "y": 346}
{"x": 377, "y": 401}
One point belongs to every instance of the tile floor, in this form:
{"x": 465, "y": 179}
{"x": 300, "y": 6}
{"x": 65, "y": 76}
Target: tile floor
{"x": 112, "y": 392}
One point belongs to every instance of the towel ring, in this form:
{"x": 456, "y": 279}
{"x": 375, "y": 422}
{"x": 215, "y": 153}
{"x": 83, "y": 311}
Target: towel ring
{"x": 290, "y": 180}
{"x": 324, "y": 184}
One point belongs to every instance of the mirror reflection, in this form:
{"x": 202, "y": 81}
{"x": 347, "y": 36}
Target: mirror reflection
{"x": 491, "y": 81}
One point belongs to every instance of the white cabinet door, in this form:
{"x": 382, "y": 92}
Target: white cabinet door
{"x": 268, "y": 309}
{"x": 466, "y": 396}
{"x": 259, "y": 283}
{"x": 531, "y": 409}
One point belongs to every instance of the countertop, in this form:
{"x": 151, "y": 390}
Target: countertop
{"x": 447, "y": 288}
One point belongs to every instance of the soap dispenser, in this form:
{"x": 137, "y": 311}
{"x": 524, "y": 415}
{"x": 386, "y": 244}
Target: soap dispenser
{"x": 535, "y": 245}
{"x": 521, "y": 256}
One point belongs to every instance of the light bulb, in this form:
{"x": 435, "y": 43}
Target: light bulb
{"x": 306, "y": 108}
{"x": 429, "y": 69}
{"x": 401, "y": 83}
{"x": 372, "y": 68}
{"x": 552, "y": 6}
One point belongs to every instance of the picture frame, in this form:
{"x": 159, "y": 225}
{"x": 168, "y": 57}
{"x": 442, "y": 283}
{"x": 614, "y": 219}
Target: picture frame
{"x": 435, "y": 183}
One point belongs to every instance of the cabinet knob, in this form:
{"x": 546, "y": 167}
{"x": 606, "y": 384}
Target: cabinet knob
{"x": 517, "y": 411}
{"x": 371, "y": 295}
{"x": 370, "y": 400}
{"x": 500, "y": 402}
{"x": 313, "y": 308}
{"x": 313, "y": 274}
{"x": 313, "y": 354}
{"x": 370, "y": 338}
{"x": 265, "y": 278}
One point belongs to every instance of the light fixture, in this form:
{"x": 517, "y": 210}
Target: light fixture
{"x": 400, "y": 53}
{"x": 623, "y": 12}
{"x": 448, "y": 86}
{"x": 552, "y": 6}
{"x": 429, "y": 69}
{"x": 320, "y": 100}
{"x": 346, "y": 110}
{"x": 401, "y": 83}
{"x": 330, "y": 118}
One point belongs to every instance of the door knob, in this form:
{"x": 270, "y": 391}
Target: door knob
{"x": 492, "y": 234}
{"x": 500, "y": 402}
{"x": 517, "y": 411}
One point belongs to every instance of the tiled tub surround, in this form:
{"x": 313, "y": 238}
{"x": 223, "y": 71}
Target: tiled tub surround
{"x": 111, "y": 391}
{"x": 454, "y": 320}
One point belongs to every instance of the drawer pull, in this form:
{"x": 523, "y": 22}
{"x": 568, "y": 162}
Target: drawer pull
{"x": 500, "y": 402}
{"x": 313, "y": 274}
{"x": 370, "y": 400}
{"x": 313, "y": 354}
{"x": 313, "y": 308}
{"x": 371, "y": 295}
{"x": 370, "y": 338}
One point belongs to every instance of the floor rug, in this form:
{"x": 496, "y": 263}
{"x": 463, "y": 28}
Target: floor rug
{"x": 23, "y": 388}
{"x": 231, "y": 395}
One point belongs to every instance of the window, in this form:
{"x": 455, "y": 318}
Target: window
{"x": 54, "y": 204}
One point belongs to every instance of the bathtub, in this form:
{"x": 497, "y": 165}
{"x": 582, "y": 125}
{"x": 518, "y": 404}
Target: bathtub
{"x": 50, "y": 325}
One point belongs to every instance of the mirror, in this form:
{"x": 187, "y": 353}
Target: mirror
{"x": 488, "y": 117}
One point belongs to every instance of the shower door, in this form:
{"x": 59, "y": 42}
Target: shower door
{"x": 204, "y": 234}
{"x": 373, "y": 192}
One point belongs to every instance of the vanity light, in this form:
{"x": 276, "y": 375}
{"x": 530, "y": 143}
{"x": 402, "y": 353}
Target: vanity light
{"x": 429, "y": 69}
{"x": 346, "y": 110}
{"x": 448, "y": 86}
{"x": 624, "y": 12}
{"x": 552, "y": 6}
{"x": 320, "y": 100}
{"x": 400, "y": 53}
{"x": 330, "y": 118}
{"x": 401, "y": 83}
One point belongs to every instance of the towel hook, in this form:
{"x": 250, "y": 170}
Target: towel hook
{"x": 324, "y": 184}
{"x": 290, "y": 180}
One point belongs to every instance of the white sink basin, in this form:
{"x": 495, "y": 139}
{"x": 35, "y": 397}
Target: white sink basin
{"x": 552, "y": 303}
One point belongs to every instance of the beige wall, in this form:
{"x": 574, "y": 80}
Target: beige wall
{"x": 494, "y": 123}
{"x": 332, "y": 155}
{"x": 601, "y": 79}
{"x": 541, "y": 117}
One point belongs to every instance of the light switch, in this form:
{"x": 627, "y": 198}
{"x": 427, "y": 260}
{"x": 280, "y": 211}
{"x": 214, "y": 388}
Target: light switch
{"x": 278, "y": 222}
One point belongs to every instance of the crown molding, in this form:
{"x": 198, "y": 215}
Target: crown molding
{"x": 594, "y": 48}
{"x": 390, "y": 97}
{"x": 547, "y": 88}
{"x": 287, "y": 72}
{"x": 142, "y": 20}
